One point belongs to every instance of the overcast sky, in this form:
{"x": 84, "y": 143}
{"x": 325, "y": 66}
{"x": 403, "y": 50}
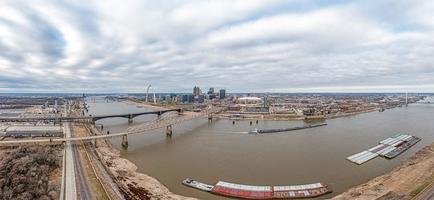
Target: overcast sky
{"x": 240, "y": 45}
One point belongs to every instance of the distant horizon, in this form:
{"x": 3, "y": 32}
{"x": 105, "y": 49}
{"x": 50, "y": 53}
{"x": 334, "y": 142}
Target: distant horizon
{"x": 132, "y": 93}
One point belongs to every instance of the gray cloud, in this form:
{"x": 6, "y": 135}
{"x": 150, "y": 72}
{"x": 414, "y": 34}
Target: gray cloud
{"x": 252, "y": 46}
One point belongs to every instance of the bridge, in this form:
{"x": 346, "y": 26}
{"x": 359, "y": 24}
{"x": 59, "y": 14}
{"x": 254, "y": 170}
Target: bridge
{"x": 166, "y": 122}
{"x": 161, "y": 122}
{"x": 85, "y": 119}
{"x": 425, "y": 102}
{"x": 131, "y": 116}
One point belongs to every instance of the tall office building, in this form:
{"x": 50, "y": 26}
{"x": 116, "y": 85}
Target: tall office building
{"x": 222, "y": 93}
{"x": 196, "y": 91}
{"x": 266, "y": 102}
{"x": 187, "y": 98}
{"x": 211, "y": 91}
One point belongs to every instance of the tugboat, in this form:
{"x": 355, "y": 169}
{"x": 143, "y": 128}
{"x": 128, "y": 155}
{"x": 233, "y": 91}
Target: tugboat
{"x": 255, "y": 131}
{"x": 198, "y": 185}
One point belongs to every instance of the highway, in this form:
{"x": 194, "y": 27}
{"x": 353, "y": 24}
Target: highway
{"x": 84, "y": 191}
{"x": 69, "y": 188}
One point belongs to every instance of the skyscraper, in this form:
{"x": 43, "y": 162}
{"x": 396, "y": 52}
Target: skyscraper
{"x": 266, "y": 102}
{"x": 196, "y": 91}
{"x": 222, "y": 93}
{"x": 211, "y": 91}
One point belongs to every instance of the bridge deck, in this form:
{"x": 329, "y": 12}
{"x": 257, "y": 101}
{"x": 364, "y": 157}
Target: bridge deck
{"x": 94, "y": 118}
{"x": 141, "y": 128}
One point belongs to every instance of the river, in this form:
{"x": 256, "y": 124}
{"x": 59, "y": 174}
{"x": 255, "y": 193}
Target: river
{"x": 218, "y": 150}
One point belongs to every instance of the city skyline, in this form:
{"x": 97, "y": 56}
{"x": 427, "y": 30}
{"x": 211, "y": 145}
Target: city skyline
{"x": 254, "y": 46}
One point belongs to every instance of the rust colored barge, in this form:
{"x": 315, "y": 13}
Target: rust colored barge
{"x": 261, "y": 192}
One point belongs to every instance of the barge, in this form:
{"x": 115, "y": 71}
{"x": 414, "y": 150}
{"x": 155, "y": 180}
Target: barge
{"x": 388, "y": 148}
{"x": 261, "y": 131}
{"x": 261, "y": 192}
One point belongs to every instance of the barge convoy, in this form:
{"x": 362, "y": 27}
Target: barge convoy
{"x": 261, "y": 131}
{"x": 261, "y": 192}
{"x": 388, "y": 148}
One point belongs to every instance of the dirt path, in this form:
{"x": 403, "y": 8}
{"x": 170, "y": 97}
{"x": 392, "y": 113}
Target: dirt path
{"x": 403, "y": 182}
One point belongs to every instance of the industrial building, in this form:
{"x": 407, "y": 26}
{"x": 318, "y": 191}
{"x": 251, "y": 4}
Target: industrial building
{"x": 33, "y": 131}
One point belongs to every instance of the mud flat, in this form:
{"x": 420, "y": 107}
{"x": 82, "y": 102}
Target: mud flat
{"x": 403, "y": 182}
{"x": 134, "y": 185}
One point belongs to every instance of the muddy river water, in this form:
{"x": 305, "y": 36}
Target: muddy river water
{"x": 218, "y": 150}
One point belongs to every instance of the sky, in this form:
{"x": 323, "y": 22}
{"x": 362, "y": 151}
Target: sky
{"x": 240, "y": 45}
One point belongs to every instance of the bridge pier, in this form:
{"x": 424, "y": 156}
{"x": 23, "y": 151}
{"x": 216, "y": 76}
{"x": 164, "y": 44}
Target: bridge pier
{"x": 130, "y": 119}
{"x": 209, "y": 116}
{"x": 169, "y": 131}
{"x": 124, "y": 141}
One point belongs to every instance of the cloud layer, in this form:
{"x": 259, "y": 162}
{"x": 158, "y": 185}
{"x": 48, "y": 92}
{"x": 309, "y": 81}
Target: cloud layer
{"x": 243, "y": 46}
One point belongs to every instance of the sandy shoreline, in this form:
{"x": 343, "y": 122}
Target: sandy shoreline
{"x": 134, "y": 185}
{"x": 398, "y": 183}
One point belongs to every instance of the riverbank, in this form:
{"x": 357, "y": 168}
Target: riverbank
{"x": 283, "y": 117}
{"x": 252, "y": 116}
{"x": 146, "y": 105}
{"x": 134, "y": 185}
{"x": 351, "y": 114}
{"x": 403, "y": 182}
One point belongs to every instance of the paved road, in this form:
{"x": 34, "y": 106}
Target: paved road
{"x": 70, "y": 189}
{"x": 81, "y": 175}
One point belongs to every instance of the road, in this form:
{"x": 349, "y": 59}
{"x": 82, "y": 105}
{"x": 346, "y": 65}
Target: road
{"x": 81, "y": 178}
{"x": 73, "y": 171}
{"x": 69, "y": 188}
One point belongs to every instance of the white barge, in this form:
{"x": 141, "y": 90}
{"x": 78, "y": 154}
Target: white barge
{"x": 388, "y": 148}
